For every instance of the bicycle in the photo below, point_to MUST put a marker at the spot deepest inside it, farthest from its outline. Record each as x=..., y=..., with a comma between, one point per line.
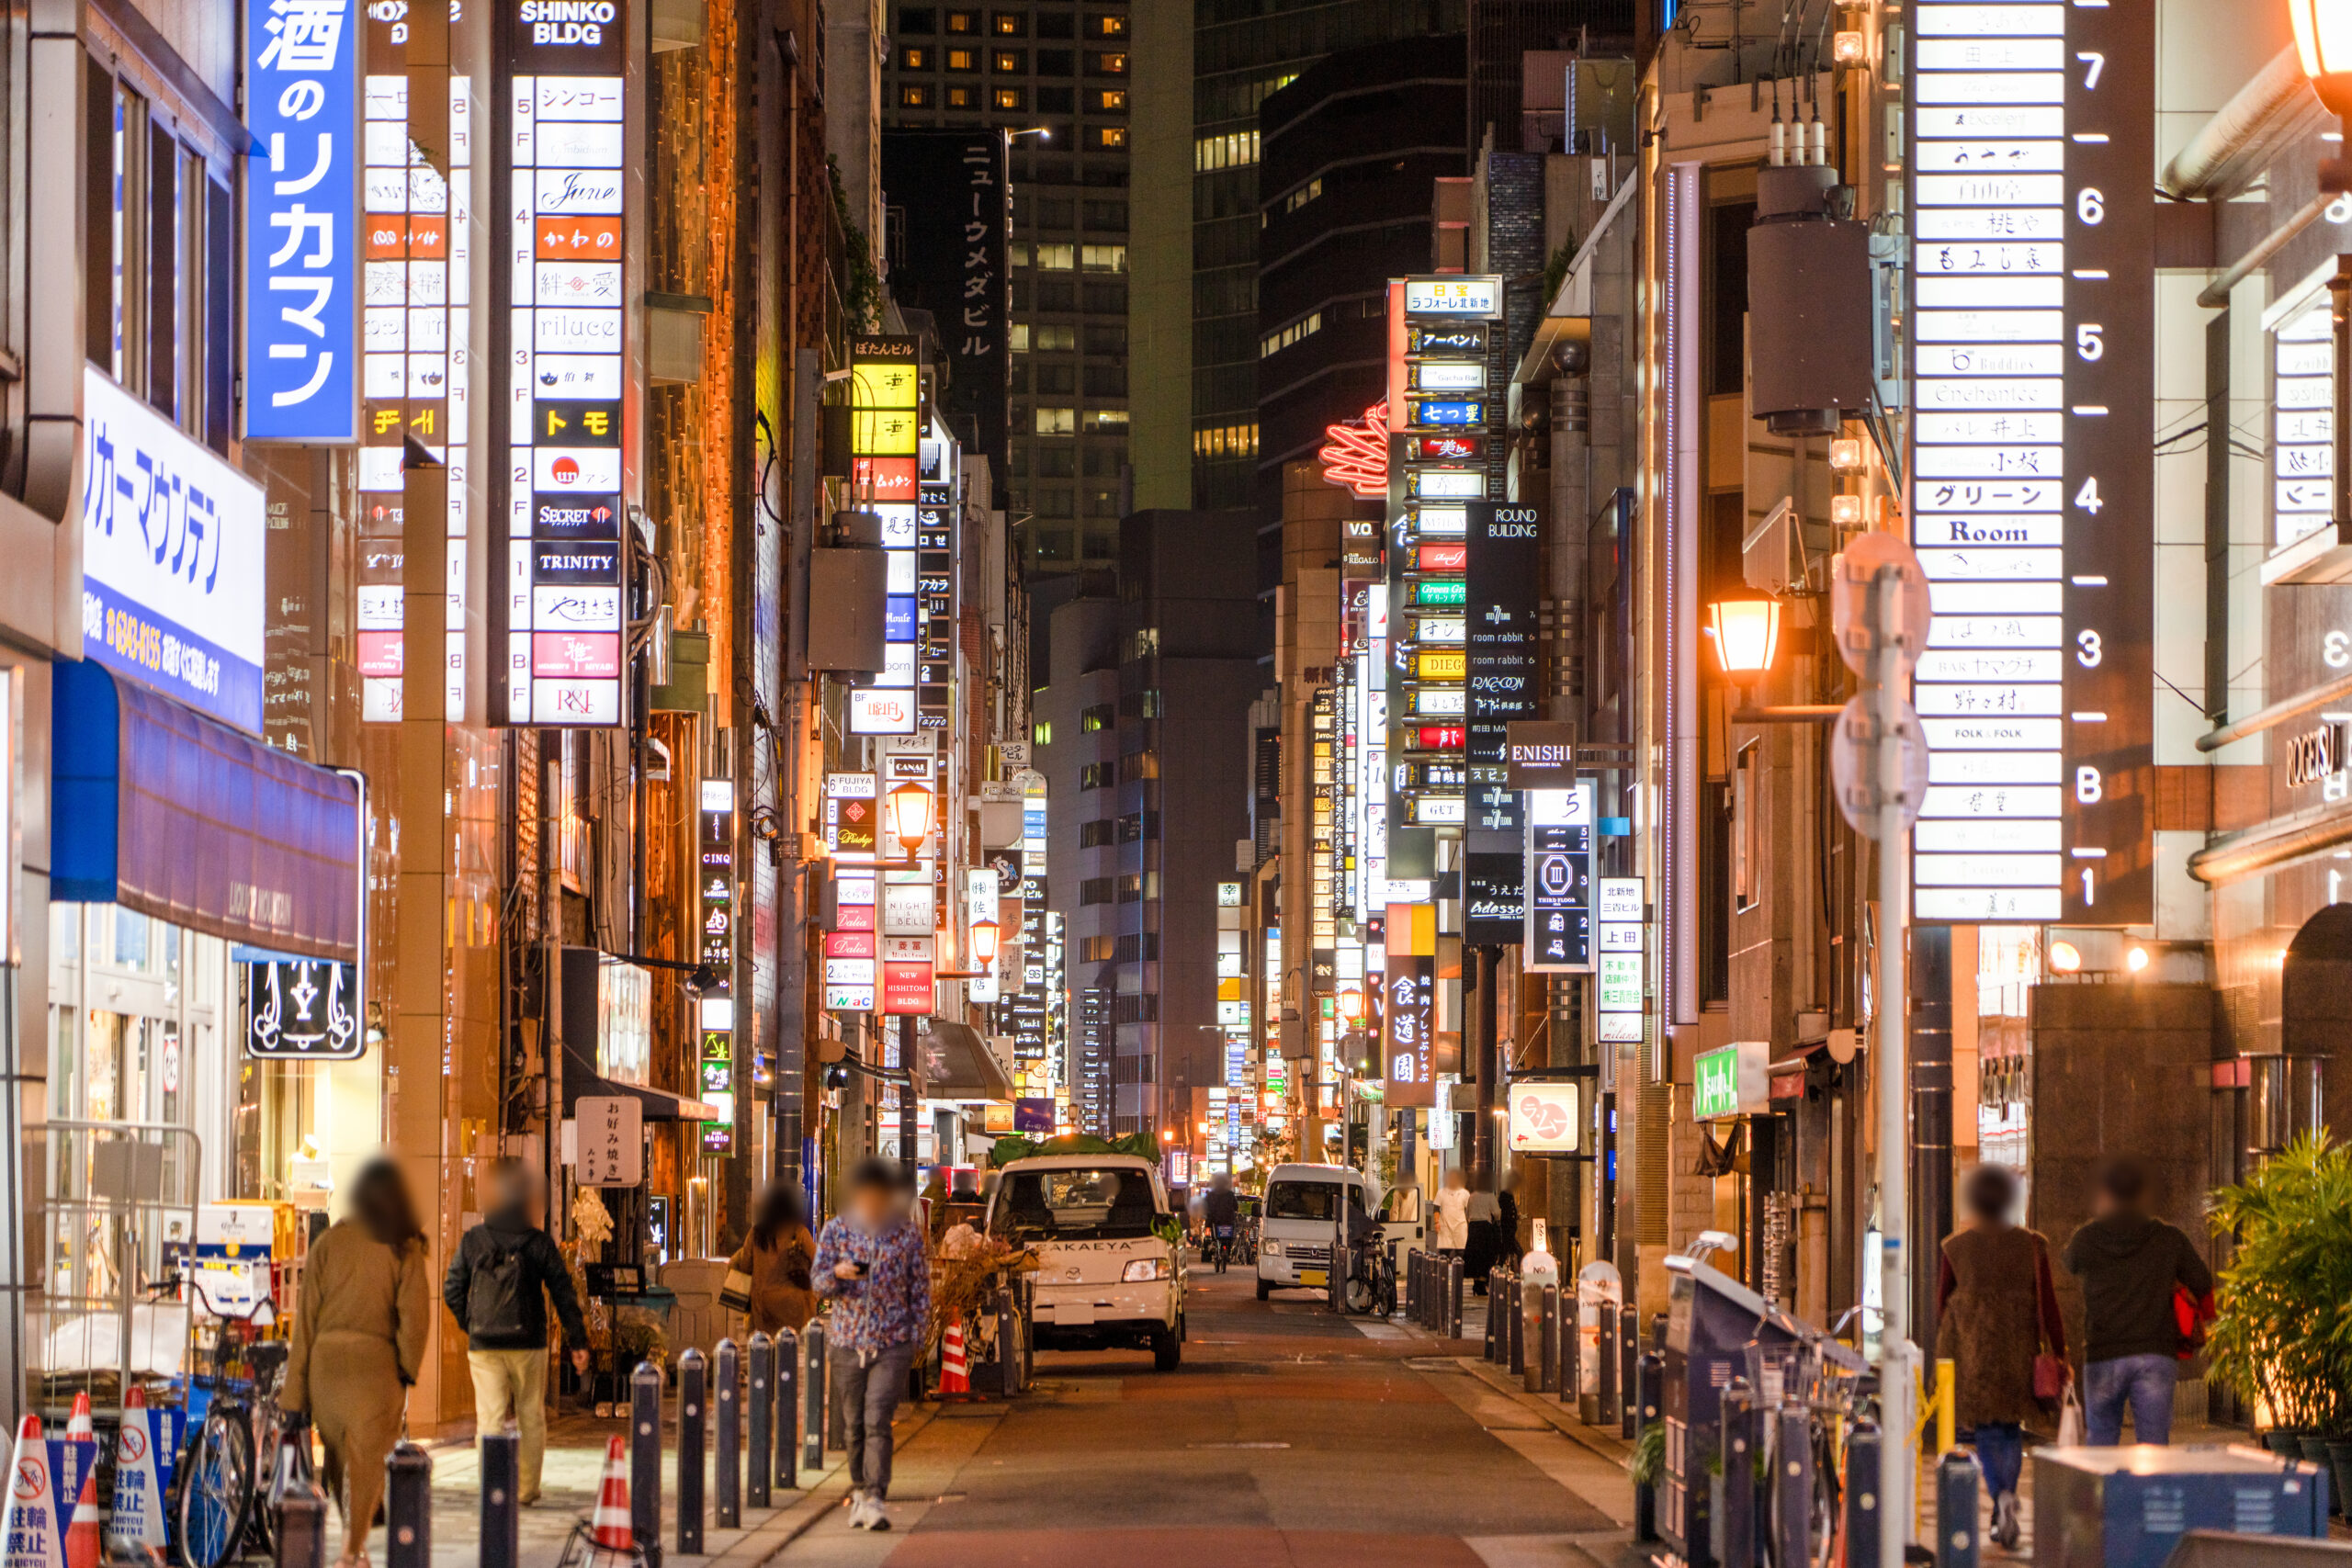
x=219, y=1499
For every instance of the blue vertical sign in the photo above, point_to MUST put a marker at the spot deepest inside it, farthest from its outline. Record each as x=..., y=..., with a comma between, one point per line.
x=303, y=222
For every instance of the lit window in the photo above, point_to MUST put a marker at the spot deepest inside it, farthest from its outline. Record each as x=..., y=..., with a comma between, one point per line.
x=1110, y=27
x=1110, y=64
x=1011, y=24
x=1054, y=338
x=963, y=98
x=1274, y=343
x=1011, y=61
x=1113, y=99
x=1043, y=734
x=1106, y=422
x=963, y=60
x=1303, y=194
x=913, y=97
x=1020, y=339
x=963, y=21
x=1016, y=254
x=1105, y=258
x=914, y=59
x=1058, y=259
x=1008, y=97
x=1057, y=422
x=1109, y=136
x=1234, y=150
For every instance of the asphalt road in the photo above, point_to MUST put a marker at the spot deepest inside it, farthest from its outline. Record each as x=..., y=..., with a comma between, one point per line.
x=1287, y=1439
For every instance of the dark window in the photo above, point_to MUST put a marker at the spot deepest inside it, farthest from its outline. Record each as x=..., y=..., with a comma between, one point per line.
x=1055, y=543
x=219, y=280
x=1144, y=949
x=914, y=19
x=1057, y=100
x=1056, y=378
x=1110, y=215
x=1106, y=381
x=1055, y=462
x=1055, y=502
x=1060, y=294
x=1104, y=460
x=1056, y=62
x=1094, y=775
x=1095, y=835
x=1056, y=24
x=1096, y=890
x=1727, y=296
x=1111, y=299
x=1054, y=212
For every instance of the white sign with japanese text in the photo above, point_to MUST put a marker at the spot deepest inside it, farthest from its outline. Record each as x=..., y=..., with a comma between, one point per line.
x=608, y=1141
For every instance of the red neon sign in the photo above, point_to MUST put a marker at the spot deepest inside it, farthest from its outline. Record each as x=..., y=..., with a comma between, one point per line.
x=1356, y=456
x=1447, y=449
x=1441, y=557
x=1442, y=737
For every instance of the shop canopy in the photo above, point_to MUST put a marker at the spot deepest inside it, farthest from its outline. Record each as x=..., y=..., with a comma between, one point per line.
x=958, y=1066
x=162, y=810
x=606, y=1005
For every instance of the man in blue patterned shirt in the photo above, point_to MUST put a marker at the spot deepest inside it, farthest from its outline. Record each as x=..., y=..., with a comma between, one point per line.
x=870, y=1260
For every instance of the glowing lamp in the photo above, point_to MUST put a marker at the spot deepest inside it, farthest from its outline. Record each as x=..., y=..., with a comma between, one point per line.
x=1746, y=629
x=2136, y=959
x=984, y=934
x=1850, y=48
x=2064, y=957
x=1846, y=452
x=2324, y=38
x=910, y=815
x=1845, y=510
x=1352, y=1005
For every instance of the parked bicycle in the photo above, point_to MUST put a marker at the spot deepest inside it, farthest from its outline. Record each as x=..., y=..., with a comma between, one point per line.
x=219, y=1497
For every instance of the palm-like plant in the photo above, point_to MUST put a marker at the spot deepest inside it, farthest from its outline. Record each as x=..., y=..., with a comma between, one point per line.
x=2283, y=1337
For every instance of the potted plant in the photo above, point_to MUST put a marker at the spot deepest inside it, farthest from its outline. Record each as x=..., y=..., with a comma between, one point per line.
x=2283, y=1339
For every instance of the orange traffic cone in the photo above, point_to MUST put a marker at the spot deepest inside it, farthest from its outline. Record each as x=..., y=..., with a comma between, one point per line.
x=954, y=1376
x=78, y=1429
x=611, y=1525
x=82, y=1535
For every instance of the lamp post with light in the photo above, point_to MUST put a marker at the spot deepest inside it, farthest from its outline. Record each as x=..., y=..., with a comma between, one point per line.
x=907, y=815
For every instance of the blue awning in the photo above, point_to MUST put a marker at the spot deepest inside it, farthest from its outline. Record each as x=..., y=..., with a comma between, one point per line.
x=164, y=811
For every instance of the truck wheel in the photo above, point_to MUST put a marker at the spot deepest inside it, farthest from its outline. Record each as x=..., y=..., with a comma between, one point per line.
x=1167, y=1350
x=1265, y=1288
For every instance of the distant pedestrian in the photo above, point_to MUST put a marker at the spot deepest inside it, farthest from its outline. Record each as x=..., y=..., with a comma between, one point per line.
x=775, y=1262
x=870, y=1260
x=1507, y=1228
x=2130, y=1263
x=1450, y=1232
x=359, y=1337
x=1486, y=1246
x=506, y=1270
x=1997, y=1313
x=1221, y=1218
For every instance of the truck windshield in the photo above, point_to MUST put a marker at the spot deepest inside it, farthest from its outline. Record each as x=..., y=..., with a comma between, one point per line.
x=1308, y=1199
x=1074, y=1205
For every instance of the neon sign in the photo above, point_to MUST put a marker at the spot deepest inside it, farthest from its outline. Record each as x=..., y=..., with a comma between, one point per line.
x=1356, y=456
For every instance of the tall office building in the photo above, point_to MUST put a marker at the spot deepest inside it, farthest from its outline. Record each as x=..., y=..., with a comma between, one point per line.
x=1053, y=76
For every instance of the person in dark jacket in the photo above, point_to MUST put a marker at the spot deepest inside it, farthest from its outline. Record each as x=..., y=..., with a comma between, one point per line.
x=493, y=1287
x=2130, y=1263
x=1996, y=1307
x=1221, y=1218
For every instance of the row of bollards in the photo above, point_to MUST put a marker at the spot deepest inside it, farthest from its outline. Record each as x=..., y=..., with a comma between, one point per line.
x=1433, y=1292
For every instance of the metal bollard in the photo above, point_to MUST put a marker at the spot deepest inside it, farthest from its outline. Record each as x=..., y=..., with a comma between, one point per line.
x=1958, y=1482
x=502, y=1513
x=1793, y=1485
x=1607, y=1351
x=645, y=1461
x=727, y=1409
x=1008, y=1353
x=1648, y=1398
x=788, y=1410
x=1453, y=1297
x=813, y=1397
x=408, y=1507
x=301, y=1535
x=762, y=1465
x=692, y=1411
x=1734, y=1514
x=1547, y=1364
x=1862, y=1497
x=1515, y=1325
x=1412, y=1287
x=1629, y=1358
x=1486, y=1341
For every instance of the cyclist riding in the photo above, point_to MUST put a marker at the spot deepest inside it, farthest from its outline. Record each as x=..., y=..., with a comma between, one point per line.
x=1221, y=1213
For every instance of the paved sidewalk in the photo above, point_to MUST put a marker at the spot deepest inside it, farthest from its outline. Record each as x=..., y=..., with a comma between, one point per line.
x=574, y=1470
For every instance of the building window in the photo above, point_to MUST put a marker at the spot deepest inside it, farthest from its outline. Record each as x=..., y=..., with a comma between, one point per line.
x=1053, y=503
x=1106, y=26
x=1101, y=504
x=1101, y=544
x=1225, y=441
x=1057, y=258
x=1054, y=212
x=1052, y=377
x=1056, y=100
x=1106, y=214
x=1006, y=98
x=1274, y=343
x=915, y=59
x=1111, y=100
x=1096, y=835
x=1096, y=890
x=963, y=98
x=1141, y=765
x=963, y=60
x=1107, y=62
x=963, y=21
x=1106, y=381
x=1053, y=544
x=1234, y=150
x=1103, y=258
x=1303, y=194
x=1131, y=888
x=1103, y=460
x=1056, y=294
x=1107, y=421
x=915, y=97
x=1042, y=732
x=918, y=19
x=1055, y=61
x=1010, y=61
x=1096, y=949
x=1109, y=137
x=1011, y=24
x=1056, y=462
x=1094, y=775
x=1019, y=340
x=1056, y=336
x=1101, y=715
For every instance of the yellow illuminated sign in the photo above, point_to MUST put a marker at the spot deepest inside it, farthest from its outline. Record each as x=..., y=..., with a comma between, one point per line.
x=1442, y=666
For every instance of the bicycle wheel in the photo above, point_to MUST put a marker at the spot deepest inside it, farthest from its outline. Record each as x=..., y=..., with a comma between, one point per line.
x=216, y=1488
x=269, y=1432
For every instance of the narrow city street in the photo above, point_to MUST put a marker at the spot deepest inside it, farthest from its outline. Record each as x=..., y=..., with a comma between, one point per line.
x=1288, y=1439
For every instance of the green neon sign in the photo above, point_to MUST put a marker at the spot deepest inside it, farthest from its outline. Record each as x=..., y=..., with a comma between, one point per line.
x=1715, y=1090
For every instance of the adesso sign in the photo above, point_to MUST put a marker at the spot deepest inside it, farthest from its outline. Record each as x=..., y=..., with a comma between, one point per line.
x=171, y=541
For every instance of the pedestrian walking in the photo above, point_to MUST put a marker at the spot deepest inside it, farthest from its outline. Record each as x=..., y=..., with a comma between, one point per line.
x=1507, y=1228
x=1221, y=1214
x=495, y=1287
x=870, y=1261
x=1485, y=1248
x=1997, y=1318
x=770, y=1276
x=2130, y=1263
x=1449, y=1232
x=359, y=1337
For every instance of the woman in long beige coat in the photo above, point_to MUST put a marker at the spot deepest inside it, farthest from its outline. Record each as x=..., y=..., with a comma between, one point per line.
x=358, y=1342
x=776, y=1255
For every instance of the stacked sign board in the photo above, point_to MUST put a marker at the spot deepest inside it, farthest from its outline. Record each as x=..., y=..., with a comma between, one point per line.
x=885, y=459
x=2031, y=484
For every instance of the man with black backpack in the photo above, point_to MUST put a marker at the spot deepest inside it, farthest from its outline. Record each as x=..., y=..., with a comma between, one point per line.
x=494, y=1288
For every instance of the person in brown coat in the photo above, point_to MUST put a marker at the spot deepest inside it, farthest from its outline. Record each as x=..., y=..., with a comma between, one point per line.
x=1997, y=1309
x=776, y=1255
x=358, y=1342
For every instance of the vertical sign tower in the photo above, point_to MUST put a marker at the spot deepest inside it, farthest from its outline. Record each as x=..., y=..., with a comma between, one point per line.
x=2031, y=482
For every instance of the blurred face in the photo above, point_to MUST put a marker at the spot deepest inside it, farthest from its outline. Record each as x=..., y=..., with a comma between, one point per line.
x=1455, y=1181
x=512, y=1188
x=875, y=1206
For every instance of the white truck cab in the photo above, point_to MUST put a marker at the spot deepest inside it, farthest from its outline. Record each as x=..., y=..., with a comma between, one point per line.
x=1295, y=1230
x=1106, y=1276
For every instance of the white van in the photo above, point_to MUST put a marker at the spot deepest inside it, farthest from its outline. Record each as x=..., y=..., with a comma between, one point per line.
x=1294, y=1233
x=1106, y=1276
